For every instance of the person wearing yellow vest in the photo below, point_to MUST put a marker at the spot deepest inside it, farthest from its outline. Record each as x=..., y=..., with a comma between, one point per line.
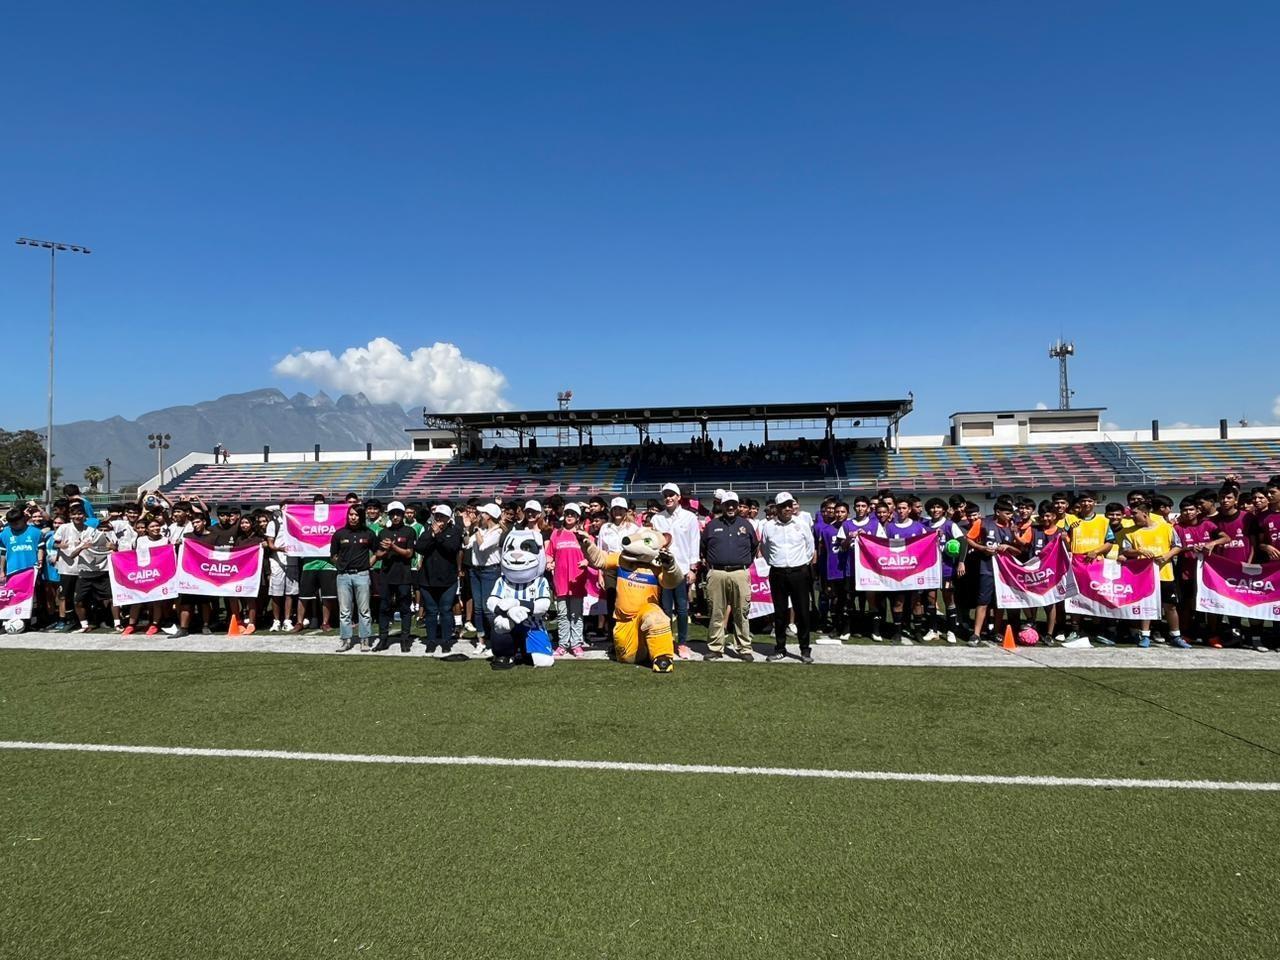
x=1089, y=535
x=1150, y=537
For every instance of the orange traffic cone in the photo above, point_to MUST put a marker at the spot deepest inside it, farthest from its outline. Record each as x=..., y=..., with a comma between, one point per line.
x=1008, y=638
x=233, y=628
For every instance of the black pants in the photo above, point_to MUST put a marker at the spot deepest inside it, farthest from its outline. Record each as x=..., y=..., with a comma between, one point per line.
x=841, y=605
x=791, y=586
x=395, y=596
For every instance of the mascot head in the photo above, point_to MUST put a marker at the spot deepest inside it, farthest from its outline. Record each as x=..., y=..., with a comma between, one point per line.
x=643, y=546
x=522, y=558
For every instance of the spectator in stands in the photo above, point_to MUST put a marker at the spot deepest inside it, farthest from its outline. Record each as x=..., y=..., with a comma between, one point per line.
x=351, y=553
x=439, y=546
x=685, y=532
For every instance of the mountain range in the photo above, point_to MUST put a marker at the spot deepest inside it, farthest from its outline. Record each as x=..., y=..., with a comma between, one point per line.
x=241, y=422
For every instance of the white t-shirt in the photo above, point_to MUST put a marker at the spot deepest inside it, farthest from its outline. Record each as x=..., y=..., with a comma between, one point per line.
x=176, y=531
x=66, y=537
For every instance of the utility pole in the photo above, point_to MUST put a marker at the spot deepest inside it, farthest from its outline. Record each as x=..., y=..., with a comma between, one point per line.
x=1060, y=350
x=54, y=247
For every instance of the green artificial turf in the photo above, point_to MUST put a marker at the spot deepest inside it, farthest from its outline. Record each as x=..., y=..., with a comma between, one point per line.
x=139, y=856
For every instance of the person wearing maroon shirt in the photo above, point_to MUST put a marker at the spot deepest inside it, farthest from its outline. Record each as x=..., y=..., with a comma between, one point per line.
x=1241, y=532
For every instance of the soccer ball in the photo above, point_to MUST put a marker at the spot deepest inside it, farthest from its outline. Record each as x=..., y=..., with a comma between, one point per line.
x=14, y=626
x=1028, y=637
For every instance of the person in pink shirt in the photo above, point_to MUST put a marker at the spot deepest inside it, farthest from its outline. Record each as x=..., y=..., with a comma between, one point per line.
x=569, y=572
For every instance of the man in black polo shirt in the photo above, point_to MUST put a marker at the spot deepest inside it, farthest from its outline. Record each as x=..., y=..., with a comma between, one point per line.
x=395, y=550
x=729, y=545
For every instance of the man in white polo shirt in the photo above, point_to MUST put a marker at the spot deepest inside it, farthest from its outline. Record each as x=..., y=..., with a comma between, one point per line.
x=788, y=546
x=686, y=542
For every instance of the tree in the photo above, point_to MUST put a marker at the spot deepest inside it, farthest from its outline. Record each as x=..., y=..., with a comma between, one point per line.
x=93, y=476
x=22, y=461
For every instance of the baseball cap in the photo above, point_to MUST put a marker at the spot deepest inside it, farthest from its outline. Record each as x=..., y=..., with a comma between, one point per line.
x=784, y=497
x=671, y=488
x=572, y=508
x=619, y=502
x=728, y=496
x=533, y=505
x=443, y=510
x=395, y=505
x=492, y=509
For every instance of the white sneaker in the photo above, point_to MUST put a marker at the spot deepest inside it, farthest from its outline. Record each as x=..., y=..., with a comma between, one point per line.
x=844, y=637
x=1059, y=638
x=931, y=636
x=952, y=638
x=207, y=631
x=171, y=629
x=791, y=630
x=1079, y=643
x=287, y=626
x=275, y=627
x=825, y=640
x=906, y=641
x=875, y=635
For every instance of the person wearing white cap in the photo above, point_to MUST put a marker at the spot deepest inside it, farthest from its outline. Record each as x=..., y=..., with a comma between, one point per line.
x=532, y=515
x=682, y=525
x=484, y=542
x=395, y=551
x=729, y=549
x=789, y=549
x=621, y=523
x=439, y=546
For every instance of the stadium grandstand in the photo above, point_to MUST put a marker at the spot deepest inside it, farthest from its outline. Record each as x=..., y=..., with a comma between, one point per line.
x=810, y=449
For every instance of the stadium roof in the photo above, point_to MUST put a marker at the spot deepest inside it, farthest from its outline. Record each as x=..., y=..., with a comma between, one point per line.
x=839, y=412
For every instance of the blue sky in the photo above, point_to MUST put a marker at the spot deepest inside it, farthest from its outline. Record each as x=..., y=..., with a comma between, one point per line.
x=685, y=202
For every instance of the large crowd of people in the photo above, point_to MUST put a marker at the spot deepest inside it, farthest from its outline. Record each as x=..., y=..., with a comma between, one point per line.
x=394, y=568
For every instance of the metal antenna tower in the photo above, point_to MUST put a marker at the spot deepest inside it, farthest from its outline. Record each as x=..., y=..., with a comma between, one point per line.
x=1060, y=350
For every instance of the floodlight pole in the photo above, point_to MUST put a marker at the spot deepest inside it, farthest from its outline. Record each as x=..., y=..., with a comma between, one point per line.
x=53, y=247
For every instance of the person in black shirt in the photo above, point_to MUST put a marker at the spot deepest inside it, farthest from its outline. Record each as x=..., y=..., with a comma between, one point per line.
x=351, y=553
x=395, y=550
x=729, y=545
x=439, y=546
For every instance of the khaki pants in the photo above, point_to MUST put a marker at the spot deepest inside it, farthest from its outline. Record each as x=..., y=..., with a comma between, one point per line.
x=730, y=591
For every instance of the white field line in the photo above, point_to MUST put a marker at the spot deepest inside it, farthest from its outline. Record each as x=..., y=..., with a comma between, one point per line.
x=631, y=767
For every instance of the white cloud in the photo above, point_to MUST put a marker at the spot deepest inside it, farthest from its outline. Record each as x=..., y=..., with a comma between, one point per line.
x=1109, y=425
x=438, y=377
x=1041, y=405
x=1275, y=408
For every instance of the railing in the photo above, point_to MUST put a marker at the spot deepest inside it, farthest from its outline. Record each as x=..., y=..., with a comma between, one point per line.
x=1127, y=458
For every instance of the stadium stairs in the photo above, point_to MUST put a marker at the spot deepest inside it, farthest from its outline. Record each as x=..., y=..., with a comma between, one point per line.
x=256, y=483
x=989, y=469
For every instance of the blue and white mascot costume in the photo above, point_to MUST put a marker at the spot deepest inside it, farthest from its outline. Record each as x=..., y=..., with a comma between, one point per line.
x=519, y=600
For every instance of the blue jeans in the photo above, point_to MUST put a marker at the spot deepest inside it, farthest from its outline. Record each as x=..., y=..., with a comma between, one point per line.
x=677, y=599
x=353, y=591
x=483, y=580
x=437, y=610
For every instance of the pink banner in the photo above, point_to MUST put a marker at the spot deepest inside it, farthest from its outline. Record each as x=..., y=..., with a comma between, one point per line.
x=761, y=592
x=1041, y=582
x=16, y=595
x=309, y=527
x=881, y=564
x=1238, y=589
x=144, y=575
x=1119, y=591
x=207, y=572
